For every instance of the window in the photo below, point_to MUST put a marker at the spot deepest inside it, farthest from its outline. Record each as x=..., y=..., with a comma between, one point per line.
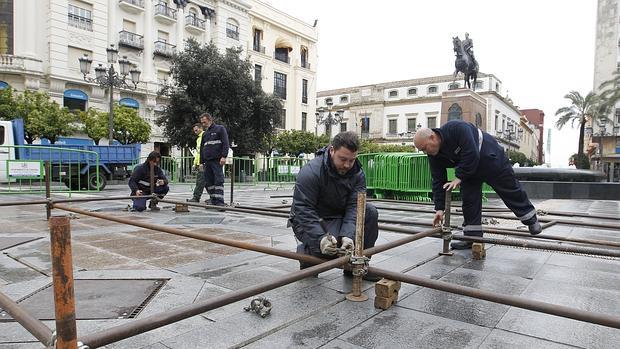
x=393, y=93
x=618, y=115
x=453, y=86
x=162, y=77
x=162, y=36
x=344, y=99
x=304, y=57
x=1, y=135
x=258, y=73
x=412, y=92
x=281, y=54
x=365, y=121
x=432, y=121
x=6, y=27
x=411, y=125
x=329, y=101
x=497, y=87
x=304, y=91
x=343, y=127
x=280, y=121
x=432, y=89
x=279, y=85
x=80, y=18
x=503, y=124
x=232, y=29
x=304, y=121
x=392, y=126
x=258, y=36
x=478, y=120
x=129, y=26
x=455, y=112
x=497, y=120
x=478, y=85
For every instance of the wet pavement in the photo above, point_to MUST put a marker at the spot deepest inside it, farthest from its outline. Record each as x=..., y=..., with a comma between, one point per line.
x=119, y=269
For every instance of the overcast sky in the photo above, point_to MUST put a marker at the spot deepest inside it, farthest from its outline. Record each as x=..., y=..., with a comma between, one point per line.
x=539, y=49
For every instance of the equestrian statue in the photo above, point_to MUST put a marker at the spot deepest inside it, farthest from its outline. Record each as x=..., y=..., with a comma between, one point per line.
x=465, y=61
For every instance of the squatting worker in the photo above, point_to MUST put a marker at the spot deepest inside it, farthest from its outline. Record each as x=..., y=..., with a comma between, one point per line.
x=477, y=158
x=140, y=183
x=326, y=189
x=213, y=152
x=198, y=166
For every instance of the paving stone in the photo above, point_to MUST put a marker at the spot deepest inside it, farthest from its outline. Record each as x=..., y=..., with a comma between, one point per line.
x=10, y=241
x=463, y=308
x=580, y=277
x=504, y=339
x=564, y=330
x=12, y=271
x=498, y=265
x=584, y=262
x=398, y=327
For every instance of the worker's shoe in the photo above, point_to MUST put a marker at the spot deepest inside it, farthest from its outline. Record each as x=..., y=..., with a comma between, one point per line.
x=153, y=207
x=461, y=245
x=535, y=228
x=193, y=200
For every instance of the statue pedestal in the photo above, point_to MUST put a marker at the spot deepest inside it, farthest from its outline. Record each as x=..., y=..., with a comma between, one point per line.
x=464, y=104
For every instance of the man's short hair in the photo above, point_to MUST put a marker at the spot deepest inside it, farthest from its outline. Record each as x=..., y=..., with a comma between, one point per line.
x=196, y=125
x=206, y=115
x=153, y=155
x=348, y=140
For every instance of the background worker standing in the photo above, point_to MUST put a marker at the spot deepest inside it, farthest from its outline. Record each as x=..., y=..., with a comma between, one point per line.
x=198, y=166
x=477, y=158
x=213, y=152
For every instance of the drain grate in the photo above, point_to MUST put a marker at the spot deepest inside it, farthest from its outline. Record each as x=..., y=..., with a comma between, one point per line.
x=95, y=299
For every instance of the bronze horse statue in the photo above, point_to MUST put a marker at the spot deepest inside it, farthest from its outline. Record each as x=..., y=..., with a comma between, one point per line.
x=465, y=64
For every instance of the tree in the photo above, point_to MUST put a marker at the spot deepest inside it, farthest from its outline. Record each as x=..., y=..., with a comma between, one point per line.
x=295, y=142
x=581, y=110
x=206, y=80
x=95, y=124
x=7, y=104
x=580, y=161
x=129, y=127
x=370, y=146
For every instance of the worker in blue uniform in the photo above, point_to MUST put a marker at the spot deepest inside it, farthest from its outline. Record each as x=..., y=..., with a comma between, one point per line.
x=140, y=183
x=477, y=158
x=213, y=152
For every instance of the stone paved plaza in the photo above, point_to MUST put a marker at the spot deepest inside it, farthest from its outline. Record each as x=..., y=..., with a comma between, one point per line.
x=311, y=313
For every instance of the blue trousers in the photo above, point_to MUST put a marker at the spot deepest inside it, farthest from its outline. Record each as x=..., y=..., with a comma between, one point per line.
x=371, y=232
x=214, y=181
x=140, y=203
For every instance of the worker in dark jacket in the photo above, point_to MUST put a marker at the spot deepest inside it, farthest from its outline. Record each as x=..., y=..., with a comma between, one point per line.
x=477, y=158
x=326, y=188
x=140, y=183
x=213, y=152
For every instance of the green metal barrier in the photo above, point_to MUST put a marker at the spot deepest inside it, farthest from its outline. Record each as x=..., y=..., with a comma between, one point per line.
x=72, y=170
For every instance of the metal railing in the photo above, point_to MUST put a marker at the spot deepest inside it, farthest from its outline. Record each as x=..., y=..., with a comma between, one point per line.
x=258, y=48
x=139, y=3
x=165, y=10
x=163, y=48
x=233, y=34
x=80, y=22
x=191, y=20
x=281, y=57
x=130, y=39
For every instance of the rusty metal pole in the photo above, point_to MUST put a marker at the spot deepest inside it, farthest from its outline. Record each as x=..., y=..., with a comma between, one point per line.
x=446, y=229
x=64, y=297
x=152, y=180
x=357, y=259
x=33, y=325
x=48, y=190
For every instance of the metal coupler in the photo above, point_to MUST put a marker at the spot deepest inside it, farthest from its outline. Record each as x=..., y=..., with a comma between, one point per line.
x=260, y=305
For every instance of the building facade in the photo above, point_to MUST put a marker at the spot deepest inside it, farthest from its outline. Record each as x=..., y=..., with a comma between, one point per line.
x=391, y=112
x=43, y=39
x=536, y=117
x=603, y=139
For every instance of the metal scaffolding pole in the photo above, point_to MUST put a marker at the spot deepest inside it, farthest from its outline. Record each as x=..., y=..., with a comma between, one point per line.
x=30, y=323
x=515, y=301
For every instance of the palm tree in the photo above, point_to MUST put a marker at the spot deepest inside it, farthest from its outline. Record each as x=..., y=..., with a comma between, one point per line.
x=581, y=110
x=610, y=91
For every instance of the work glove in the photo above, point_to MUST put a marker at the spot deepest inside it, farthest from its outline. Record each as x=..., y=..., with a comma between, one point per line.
x=328, y=245
x=347, y=244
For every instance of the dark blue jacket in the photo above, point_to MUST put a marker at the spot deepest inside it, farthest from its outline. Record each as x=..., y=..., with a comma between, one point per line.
x=141, y=177
x=214, y=145
x=459, y=149
x=320, y=192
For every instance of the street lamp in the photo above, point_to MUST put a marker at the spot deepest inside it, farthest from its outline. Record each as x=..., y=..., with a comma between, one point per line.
x=109, y=78
x=328, y=120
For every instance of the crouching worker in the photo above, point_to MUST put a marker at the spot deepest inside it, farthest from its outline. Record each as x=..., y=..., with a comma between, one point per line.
x=326, y=189
x=140, y=183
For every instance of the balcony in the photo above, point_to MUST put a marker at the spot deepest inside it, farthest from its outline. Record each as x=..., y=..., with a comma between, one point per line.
x=165, y=14
x=233, y=34
x=133, y=6
x=258, y=48
x=305, y=65
x=281, y=57
x=10, y=63
x=164, y=49
x=129, y=39
x=194, y=24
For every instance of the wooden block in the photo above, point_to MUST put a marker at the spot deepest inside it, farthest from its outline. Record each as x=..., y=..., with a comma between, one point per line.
x=386, y=302
x=478, y=251
x=386, y=288
x=181, y=208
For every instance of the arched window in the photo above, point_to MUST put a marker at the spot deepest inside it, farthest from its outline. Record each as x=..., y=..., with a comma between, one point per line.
x=412, y=91
x=232, y=29
x=344, y=99
x=282, y=48
x=478, y=85
x=304, y=57
x=329, y=101
x=432, y=89
x=453, y=86
x=478, y=120
x=393, y=93
x=455, y=112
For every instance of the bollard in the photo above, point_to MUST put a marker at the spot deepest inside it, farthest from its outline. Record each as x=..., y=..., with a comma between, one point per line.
x=357, y=259
x=64, y=297
x=446, y=231
x=48, y=190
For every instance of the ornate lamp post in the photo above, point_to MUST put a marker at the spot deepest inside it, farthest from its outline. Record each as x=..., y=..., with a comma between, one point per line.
x=109, y=78
x=328, y=120
x=511, y=135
